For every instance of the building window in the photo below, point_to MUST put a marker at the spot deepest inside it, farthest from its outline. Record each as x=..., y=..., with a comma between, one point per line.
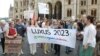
x=16, y=10
x=16, y=16
x=83, y=12
x=69, y=2
x=69, y=13
x=83, y=2
x=94, y=12
x=94, y=2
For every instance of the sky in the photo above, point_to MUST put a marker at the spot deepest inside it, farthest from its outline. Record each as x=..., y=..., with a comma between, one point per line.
x=4, y=7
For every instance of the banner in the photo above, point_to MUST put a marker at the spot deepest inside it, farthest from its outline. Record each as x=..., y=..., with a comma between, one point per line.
x=65, y=37
x=43, y=8
x=28, y=14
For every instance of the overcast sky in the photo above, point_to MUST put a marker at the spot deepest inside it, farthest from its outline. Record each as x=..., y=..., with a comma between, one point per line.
x=4, y=7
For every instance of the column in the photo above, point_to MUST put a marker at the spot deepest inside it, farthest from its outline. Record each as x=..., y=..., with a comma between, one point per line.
x=75, y=9
x=63, y=9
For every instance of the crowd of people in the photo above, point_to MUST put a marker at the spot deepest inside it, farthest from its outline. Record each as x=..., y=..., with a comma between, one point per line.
x=87, y=36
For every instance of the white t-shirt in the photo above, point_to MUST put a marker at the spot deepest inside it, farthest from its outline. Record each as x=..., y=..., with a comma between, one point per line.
x=90, y=35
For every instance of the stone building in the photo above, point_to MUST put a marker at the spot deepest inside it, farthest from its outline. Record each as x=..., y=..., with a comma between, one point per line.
x=19, y=7
x=11, y=12
x=60, y=9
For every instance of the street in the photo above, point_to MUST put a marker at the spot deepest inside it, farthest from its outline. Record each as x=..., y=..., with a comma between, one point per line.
x=40, y=52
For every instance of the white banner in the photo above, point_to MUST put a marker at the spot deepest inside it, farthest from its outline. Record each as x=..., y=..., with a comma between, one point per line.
x=28, y=14
x=65, y=37
x=43, y=8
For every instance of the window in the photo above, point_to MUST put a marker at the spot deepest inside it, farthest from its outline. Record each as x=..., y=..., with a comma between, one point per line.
x=93, y=2
x=93, y=12
x=83, y=2
x=16, y=10
x=69, y=2
x=69, y=13
x=83, y=12
x=16, y=16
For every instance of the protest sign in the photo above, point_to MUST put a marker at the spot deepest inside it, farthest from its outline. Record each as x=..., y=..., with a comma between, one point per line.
x=13, y=45
x=65, y=37
x=43, y=8
x=28, y=14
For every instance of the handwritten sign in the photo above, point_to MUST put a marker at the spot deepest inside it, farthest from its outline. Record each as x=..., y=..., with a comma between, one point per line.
x=65, y=37
x=13, y=45
x=28, y=14
x=43, y=8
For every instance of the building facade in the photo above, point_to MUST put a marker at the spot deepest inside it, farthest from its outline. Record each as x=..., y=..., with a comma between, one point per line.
x=60, y=9
x=19, y=7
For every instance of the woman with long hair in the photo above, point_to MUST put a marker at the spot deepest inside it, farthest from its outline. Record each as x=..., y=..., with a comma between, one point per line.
x=47, y=25
x=33, y=23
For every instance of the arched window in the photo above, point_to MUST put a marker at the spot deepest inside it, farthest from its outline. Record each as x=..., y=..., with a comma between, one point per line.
x=49, y=16
x=83, y=11
x=69, y=2
x=58, y=10
x=69, y=13
x=94, y=12
x=93, y=2
x=16, y=16
x=83, y=2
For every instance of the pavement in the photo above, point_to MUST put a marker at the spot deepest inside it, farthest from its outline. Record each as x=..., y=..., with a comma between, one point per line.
x=39, y=52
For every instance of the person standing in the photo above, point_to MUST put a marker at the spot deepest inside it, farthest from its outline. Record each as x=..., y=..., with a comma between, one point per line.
x=20, y=29
x=56, y=46
x=97, y=48
x=89, y=39
x=79, y=38
x=32, y=24
x=46, y=45
x=3, y=28
x=53, y=26
x=69, y=25
x=10, y=35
